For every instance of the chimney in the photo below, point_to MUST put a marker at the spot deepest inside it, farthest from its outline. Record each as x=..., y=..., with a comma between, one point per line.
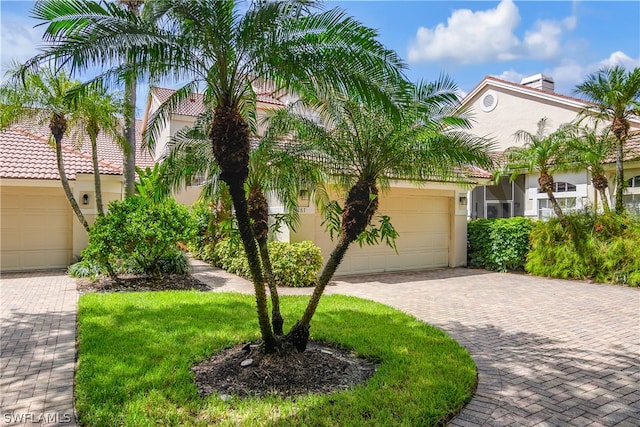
x=539, y=81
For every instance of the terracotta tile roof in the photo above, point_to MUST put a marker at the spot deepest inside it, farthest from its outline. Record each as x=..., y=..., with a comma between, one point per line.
x=632, y=149
x=25, y=152
x=536, y=90
x=194, y=106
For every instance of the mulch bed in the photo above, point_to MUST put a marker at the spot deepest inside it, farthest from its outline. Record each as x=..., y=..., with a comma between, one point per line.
x=132, y=283
x=320, y=369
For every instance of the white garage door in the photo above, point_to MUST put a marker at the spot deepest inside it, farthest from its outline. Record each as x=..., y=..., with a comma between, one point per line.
x=36, y=228
x=423, y=223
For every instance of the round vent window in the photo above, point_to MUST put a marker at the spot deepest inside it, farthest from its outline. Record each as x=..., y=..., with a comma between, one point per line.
x=489, y=101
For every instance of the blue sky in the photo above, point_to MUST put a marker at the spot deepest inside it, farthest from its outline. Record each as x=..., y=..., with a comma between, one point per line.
x=468, y=40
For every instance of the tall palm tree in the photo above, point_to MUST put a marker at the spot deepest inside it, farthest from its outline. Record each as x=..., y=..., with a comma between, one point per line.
x=274, y=168
x=42, y=96
x=225, y=50
x=588, y=147
x=542, y=153
x=131, y=85
x=95, y=110
x=616, y=95
x=370, y=147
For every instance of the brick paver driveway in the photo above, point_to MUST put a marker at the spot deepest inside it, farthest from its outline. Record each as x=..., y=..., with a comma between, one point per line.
x=549, y=352
x=37, y=356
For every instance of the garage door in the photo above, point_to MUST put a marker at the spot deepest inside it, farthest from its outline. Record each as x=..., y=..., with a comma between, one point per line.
x=423, y=223
x=35, y=228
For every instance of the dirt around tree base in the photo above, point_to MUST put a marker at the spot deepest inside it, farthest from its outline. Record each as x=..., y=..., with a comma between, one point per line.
x=320, y=369
x=135, y=283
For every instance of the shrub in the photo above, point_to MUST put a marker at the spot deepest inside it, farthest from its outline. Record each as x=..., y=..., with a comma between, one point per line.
x=499, y=244
x=293, y=264
x=211, y=226
x=141, y=232
x=603, y=248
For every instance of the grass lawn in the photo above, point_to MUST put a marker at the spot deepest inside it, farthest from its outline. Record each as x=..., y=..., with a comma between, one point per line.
x=136, y=351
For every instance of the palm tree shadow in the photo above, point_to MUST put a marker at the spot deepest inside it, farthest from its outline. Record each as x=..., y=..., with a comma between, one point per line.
x=412, y=276
x=525, y=377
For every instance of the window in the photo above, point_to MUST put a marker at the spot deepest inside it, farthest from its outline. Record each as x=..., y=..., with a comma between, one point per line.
x=196, y=180
x=545, y=209
x=632, y=203
x=634, y=182
x=561, y=187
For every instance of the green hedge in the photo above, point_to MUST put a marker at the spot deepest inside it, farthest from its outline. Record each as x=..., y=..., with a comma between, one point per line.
x=499, y=244
x=604, y=248
x=293, y=264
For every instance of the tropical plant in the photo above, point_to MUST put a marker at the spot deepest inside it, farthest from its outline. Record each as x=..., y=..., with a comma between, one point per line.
x=151, y=184
x=96, y=110
x=225, y=49
x=542, y=153
x=42, y=96
x=587, y=147
x=615, y=93
x=369, y=147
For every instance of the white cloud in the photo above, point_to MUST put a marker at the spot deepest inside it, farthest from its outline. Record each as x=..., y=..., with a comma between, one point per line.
x=571, y=73
x=19, y=40
x=469, y=37
x=544, y=41
x=510, y=76
x=485, y=36
x=620, y=58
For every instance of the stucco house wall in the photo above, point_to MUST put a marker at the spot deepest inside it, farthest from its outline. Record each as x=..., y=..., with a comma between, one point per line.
x=500, y=109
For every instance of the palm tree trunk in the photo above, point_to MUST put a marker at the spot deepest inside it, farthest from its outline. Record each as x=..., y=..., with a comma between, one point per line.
x=58, y=126
x=605, y=201
x=356, y=216
x=131, y=84
x=130, y=134
x=555, y=205
x=229, y=136
x=249, y=242
x=258, y=210
x=276, y=317
x=619, y=176
x=96, y=174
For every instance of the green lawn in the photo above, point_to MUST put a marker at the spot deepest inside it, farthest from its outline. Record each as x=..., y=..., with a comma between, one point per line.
x=136, y=350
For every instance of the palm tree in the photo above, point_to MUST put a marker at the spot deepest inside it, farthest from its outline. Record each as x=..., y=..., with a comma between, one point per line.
x=369, y=148
x=94, y=111
x=587, y=147
x=616, y=95
x=42, y=96
x=226, y=50
x=274, y=168
x=541, y=152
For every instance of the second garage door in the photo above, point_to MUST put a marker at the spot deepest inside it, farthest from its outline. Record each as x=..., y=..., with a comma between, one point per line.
x=422, y=221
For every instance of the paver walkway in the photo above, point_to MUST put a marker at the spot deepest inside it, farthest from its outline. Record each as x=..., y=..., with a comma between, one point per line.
x=549, y=352
x=37, y=353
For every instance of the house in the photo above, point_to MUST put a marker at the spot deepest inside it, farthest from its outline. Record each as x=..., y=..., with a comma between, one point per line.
x=500, y=109
x=38, y=229
x=431, y=219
